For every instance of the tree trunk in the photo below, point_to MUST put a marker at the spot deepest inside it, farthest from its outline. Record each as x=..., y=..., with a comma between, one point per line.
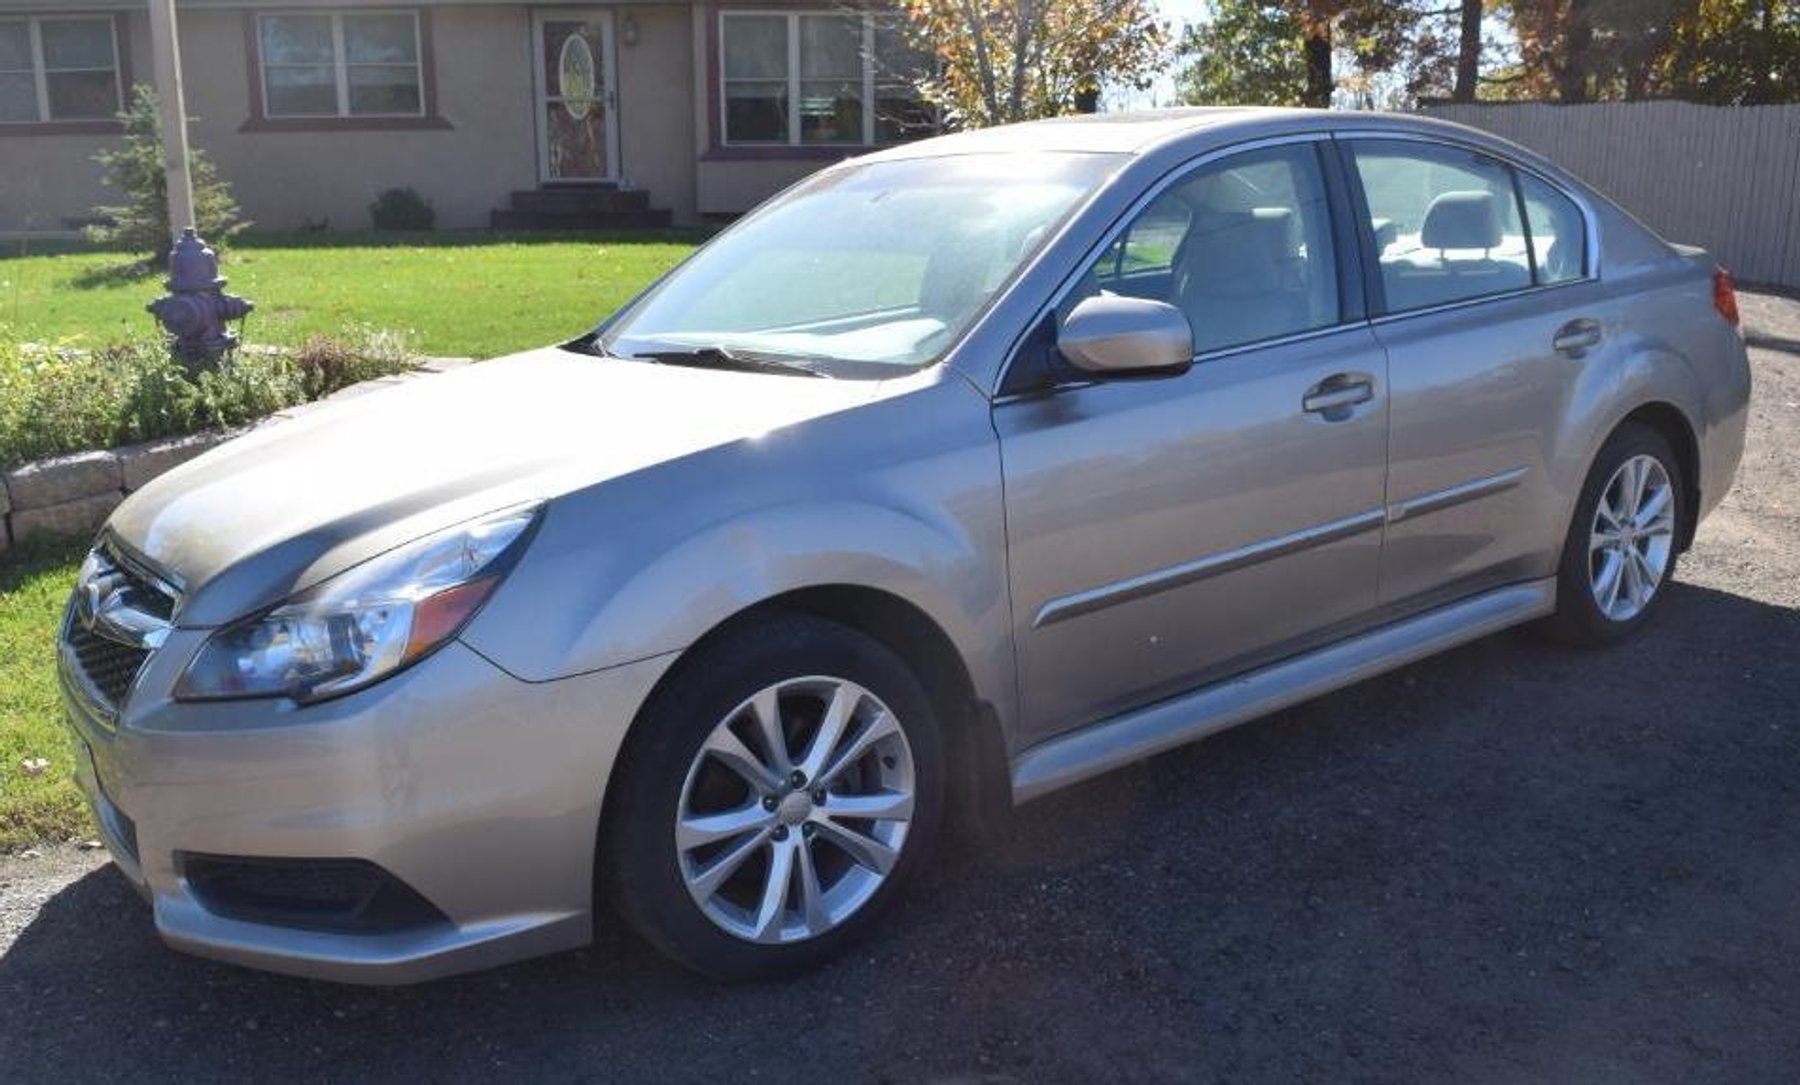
x=1578, y=47
x=1468, y=53
x=1318, y=65
x=1762, y=89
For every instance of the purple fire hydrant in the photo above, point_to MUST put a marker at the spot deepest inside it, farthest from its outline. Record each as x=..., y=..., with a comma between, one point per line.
x=196, y=308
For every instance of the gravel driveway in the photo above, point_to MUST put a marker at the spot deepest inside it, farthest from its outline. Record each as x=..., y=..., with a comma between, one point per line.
x=1509, y=863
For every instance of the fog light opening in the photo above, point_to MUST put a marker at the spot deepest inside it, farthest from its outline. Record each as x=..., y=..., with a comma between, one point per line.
x=352, y=896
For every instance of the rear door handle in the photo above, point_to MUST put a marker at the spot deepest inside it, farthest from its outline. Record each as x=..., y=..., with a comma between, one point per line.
x=1336, y=394
x=1577, y=337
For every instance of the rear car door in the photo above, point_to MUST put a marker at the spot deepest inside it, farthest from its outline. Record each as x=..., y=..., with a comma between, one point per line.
x=1480, y=278
x=1165, y=530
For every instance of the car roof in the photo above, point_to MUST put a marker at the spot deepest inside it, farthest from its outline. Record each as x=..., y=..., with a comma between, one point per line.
x=1141, y=132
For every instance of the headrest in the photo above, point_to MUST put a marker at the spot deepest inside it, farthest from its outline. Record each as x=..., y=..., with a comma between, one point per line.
x=1235, y=254
x=1461, y=220
x=1277, y=225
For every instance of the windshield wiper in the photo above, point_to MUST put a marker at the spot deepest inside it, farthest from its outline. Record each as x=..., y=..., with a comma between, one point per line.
x=727, y=358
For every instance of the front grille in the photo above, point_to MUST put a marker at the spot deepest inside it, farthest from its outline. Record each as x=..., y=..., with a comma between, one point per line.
x=119, y=615
x=148, y=593
x=110, y=667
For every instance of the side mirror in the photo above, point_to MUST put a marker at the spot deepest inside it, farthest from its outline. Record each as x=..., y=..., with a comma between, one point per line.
x=1110, y=335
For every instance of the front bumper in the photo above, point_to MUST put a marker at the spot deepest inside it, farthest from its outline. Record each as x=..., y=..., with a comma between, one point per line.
x=479, y=792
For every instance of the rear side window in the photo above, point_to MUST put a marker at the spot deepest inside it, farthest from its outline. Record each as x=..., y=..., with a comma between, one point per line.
x=1242, y=247
x=1558, y=232
x=1445, y=221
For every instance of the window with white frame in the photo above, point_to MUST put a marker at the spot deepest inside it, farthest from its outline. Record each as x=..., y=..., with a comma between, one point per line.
x=58, y=69
x=818, y=79
x=341, y=64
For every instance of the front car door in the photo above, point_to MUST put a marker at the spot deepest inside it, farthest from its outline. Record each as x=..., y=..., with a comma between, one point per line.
x=1488, y=314
x=1164, y=531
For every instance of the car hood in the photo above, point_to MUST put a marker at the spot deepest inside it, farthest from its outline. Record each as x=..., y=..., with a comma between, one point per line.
x=298, y=500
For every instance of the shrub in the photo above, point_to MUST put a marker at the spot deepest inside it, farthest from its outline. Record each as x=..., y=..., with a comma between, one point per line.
x=329, y=365
x=59, y=398
x=141, y=224
x=403, y=209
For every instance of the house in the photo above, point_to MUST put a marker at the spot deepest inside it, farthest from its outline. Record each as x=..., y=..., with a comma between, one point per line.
x=503, y=112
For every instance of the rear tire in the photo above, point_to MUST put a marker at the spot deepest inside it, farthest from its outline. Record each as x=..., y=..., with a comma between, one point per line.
x=1621, y=549
x=747, y=851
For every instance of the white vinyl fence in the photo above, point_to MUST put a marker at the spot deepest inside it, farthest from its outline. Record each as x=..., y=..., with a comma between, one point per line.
x=1722, y=177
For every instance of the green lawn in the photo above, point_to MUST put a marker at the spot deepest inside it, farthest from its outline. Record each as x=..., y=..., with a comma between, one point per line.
x=463, y=293
x=33, y=588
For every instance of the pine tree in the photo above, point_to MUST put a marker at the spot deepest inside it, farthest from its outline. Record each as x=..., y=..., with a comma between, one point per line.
x=141, y=224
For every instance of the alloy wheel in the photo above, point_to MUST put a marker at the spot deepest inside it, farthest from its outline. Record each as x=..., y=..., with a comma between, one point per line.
x=1632, y=538
x=795, y=810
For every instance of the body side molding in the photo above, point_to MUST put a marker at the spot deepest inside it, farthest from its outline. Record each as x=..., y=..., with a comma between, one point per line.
x=1450, y=496
x=1175, y=576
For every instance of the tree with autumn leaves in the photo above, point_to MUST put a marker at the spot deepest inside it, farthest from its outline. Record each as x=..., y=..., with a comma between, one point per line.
x=998, y=61
x=1302, y=52
x=1726, y=52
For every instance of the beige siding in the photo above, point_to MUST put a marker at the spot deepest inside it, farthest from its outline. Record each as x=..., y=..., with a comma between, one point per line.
x=656, y=89
x=1721, y=177
x=49, y=182
x=731, y=188
x=286, y=179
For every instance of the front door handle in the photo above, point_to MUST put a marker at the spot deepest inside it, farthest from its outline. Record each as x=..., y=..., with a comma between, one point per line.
x=1577, y=337
x=1335, y=395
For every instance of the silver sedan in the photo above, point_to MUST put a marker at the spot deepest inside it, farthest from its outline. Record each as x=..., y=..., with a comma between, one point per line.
x=954, y=475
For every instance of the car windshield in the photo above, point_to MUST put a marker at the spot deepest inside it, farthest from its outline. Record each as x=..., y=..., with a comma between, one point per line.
x=860, y=271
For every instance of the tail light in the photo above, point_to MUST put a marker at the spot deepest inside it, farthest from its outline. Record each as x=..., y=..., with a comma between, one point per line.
x=1725, y=296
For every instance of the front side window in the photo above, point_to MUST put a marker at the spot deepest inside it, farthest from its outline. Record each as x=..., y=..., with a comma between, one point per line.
x=866, y=268
x=58, y=70
x=818, y=79
x=1445, y=222
x=1242, y=247
x=341, y=65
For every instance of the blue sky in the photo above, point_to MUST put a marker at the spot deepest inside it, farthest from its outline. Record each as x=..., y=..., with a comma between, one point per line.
x=1182, y=11
x=1179, y=13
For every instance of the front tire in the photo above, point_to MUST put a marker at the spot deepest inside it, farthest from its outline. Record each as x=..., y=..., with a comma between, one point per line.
x=778, y=792
x=1621, y=550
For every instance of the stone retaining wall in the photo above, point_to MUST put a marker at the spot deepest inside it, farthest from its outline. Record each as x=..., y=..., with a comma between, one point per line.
x=72, y=495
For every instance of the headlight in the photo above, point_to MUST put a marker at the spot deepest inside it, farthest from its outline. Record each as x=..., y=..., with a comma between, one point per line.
x=365, y=623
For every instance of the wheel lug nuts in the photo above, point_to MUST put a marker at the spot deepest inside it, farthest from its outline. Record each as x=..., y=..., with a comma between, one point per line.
x=781, y=832
x=769, y=802
x=807, y=829
x=798, y=779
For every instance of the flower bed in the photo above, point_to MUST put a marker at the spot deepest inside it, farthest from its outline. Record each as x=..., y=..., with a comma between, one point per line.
x=80, y=429
x=56, y=400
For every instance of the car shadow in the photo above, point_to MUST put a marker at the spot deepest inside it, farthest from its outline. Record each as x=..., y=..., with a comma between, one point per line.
x=1764, y=341
x=1514, y=860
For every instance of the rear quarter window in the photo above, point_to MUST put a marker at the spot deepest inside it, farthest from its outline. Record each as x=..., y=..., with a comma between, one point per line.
x=1558, y=231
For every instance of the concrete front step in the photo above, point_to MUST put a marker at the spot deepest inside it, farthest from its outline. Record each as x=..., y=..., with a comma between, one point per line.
x=584, y=198
x=648, y=219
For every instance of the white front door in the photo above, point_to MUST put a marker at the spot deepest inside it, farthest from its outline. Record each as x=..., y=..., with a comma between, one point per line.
x=572, y=57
